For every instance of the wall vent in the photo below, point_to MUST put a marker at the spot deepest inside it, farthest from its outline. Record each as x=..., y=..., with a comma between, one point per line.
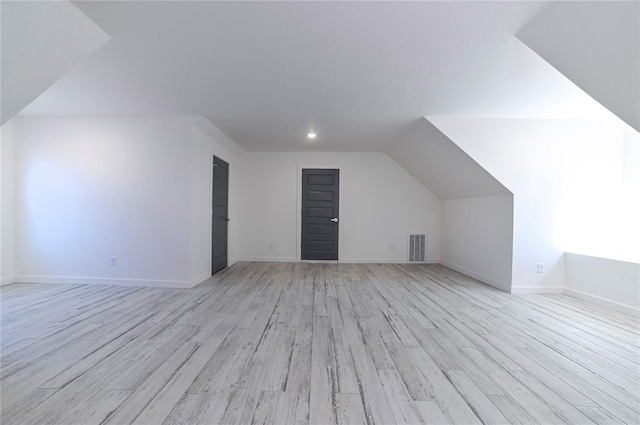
x=417, y=248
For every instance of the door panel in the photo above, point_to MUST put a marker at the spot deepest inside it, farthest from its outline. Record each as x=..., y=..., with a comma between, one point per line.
x=320, y=195
x=320, y=212
x=320, y=229
x=220, y=214
x=324, y=180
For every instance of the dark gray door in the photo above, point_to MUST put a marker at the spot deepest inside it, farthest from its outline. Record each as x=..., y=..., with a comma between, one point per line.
x=320, y=193
x=220, y=215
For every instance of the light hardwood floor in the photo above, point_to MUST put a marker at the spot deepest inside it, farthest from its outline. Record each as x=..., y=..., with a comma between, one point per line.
x=310, y=343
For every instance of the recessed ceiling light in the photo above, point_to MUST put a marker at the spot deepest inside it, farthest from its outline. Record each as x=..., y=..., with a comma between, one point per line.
x=311, y=135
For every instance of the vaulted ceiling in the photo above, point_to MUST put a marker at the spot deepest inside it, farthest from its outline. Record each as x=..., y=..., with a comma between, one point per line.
x=41, y=42
x=359, y=73
x=595, y=44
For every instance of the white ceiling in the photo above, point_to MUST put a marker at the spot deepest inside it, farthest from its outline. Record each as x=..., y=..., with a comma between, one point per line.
x=41, y=42
x=597, y=45
x=440, y=165
x=359, y=73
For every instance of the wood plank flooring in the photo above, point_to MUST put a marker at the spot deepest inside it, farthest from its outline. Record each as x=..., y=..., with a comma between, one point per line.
x=278, y=343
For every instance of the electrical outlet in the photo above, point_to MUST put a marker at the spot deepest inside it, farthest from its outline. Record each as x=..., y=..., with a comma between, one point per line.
x=392, y=248
x=271, y=246
x=540, y=267
x=112, y=261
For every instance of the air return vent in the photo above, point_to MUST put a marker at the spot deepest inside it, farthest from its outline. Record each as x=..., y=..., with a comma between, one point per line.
x=417, y=248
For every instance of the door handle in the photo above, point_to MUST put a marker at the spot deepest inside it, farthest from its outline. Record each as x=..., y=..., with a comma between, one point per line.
x=335, y=220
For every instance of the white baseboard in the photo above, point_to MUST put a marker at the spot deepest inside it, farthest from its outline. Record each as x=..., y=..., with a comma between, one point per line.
x=382, y=261
x=626, y=309
x=269, y=259
x=537, y=289
x=341, y=260
x=104, y=281
x=482, y=278
x=373, y=260
x=7, y=280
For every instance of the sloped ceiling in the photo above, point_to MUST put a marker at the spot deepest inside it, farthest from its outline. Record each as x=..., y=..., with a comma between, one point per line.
x=265, y=73
x=440, y=165
x=361, y=74
x=41, y=41
x=596, y=44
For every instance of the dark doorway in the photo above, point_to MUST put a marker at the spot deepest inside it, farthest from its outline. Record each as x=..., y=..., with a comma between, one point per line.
x=319, y=233
x=220, y=214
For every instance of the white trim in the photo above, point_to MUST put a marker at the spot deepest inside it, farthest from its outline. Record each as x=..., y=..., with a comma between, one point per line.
x=345, y=261
x=104, y=281
x=603, y=302
x=384, y=261
x=537, y=289
x=374, y=261
x=7, y=280
x=504, y=286
x=320, y=261
x=299, y=206
x=269, y=259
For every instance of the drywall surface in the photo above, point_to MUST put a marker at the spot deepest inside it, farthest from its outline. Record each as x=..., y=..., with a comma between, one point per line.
x=380, y=204
x=574, y=184
x=203, y=148
x=596, y=44
x=441, y=166
x=41, y=42
x=477, y=238
x=89, y=189
x=7, y=201
x=611, y=283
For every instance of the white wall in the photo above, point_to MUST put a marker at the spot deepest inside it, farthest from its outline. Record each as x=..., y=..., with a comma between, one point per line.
x=477, y=238
x=88, y=189
x=7, y=202
x=611, y=283
x=572, y=189
x=380, y=204
x=203, y=148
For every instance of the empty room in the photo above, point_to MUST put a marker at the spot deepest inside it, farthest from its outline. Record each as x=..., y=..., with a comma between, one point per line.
x=348, y=213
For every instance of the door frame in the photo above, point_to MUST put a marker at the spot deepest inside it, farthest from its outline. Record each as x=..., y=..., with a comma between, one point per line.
x=299, y=205
x=210, y=221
